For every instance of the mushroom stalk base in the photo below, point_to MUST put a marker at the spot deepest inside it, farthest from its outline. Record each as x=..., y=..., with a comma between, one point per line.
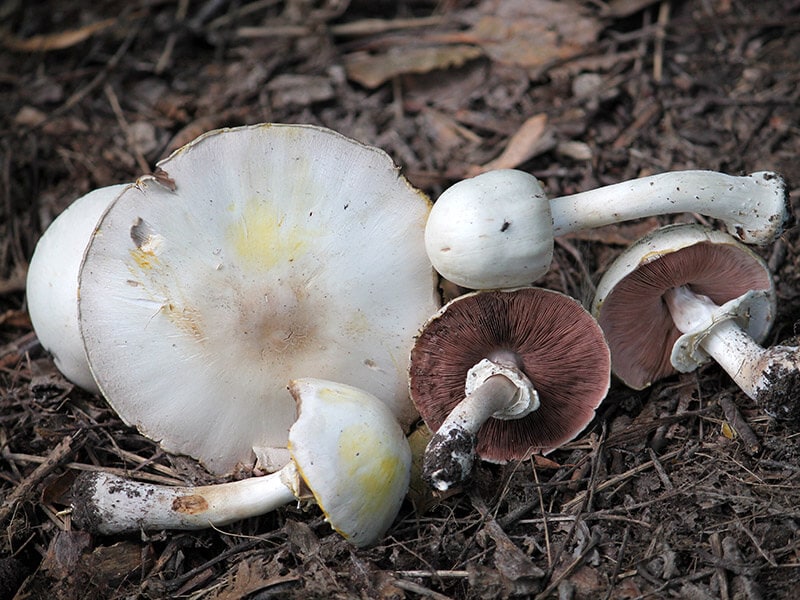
x=107, y=504
x=450, y=454
x=770, y=376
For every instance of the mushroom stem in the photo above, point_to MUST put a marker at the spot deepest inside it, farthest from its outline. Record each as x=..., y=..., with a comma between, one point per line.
x=753, y=207
x=108, y=504
x=494, y=389
x=767, y=375
x=349, y=454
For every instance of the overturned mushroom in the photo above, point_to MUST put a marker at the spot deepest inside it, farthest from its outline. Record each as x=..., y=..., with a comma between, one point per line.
x=261, y=253
x=496, y=230
x=52, y=283
x=685, y=294
x=503, y=375
x=347, y=449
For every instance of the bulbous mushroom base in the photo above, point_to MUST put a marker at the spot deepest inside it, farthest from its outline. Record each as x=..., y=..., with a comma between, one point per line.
x=449, y=458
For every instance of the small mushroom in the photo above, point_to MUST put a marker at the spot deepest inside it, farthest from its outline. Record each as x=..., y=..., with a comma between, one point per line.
x=505, y=374
x=347, y=449
x=496, y=230
x=52, y=283
x=685, y=294
x=259, y=254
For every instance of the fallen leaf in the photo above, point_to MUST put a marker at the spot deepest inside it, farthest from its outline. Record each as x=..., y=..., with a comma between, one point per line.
x=371, y=70
x=532, y=33
x=529, y=140
x=251, y=576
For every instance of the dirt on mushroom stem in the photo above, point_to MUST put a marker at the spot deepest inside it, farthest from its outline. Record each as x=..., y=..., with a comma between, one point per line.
x=779, y=397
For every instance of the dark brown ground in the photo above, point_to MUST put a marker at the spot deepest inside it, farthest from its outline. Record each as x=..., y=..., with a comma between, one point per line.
x=661, y=498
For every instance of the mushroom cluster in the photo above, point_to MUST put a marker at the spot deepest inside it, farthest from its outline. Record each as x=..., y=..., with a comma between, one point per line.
x=251, y=259
x=189, y=298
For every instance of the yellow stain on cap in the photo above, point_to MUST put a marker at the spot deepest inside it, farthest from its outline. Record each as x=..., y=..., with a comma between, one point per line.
x=262, y=238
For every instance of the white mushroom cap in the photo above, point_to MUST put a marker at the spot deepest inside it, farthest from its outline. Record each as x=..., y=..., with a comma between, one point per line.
x=494, y=230
x=262, y=254
x=353, y=455
x=52, y=283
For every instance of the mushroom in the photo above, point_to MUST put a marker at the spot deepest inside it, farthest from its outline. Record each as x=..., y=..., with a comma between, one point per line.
x=253, y=258
x=347, y=449
x=685, y=294
x=496, y=230
x=504, y=374
x=52, y=283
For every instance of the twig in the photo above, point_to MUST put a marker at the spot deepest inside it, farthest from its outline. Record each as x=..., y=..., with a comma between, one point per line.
x=32, y=458
x=731, y=553
x=98, y=79
x=658, y=41
x=662, y=474
x=617, y=479
x=141, y=162
x=443, y=574
x=593, y=541
x=618, y=563
x=544, y=519
x=416, y=588
x=26, y=486
x=722, y=577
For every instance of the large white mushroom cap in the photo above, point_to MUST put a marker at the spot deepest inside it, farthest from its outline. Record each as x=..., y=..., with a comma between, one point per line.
x=260, y=254
x=52, y=283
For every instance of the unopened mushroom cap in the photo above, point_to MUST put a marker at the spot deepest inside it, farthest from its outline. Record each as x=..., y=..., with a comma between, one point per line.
x=629, y=301
x=560, y=347
x=352, y=454
x=494, y=230
x=259, y=254
x=52, y=283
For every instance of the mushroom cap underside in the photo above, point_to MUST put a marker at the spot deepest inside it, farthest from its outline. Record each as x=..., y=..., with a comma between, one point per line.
x=352, y=454
x=629, y=302
x=560, y=347
x=253, y=259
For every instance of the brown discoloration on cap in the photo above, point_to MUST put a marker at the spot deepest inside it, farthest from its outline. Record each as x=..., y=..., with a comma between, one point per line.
x=559, y=345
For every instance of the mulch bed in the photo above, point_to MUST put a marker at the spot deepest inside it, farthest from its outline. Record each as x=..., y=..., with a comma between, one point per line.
x=683, y=490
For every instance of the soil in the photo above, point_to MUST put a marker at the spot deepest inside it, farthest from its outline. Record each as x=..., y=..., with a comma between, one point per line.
x=686, y=489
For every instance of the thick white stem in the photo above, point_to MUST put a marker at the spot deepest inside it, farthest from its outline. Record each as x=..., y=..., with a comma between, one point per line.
x=727, y=343
x=753, y=207
x=108, y=504
x=450, y=454
x=496, y=393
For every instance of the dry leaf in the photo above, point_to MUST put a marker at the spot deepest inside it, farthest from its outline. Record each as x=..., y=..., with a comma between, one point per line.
x=251, y=578
x=526, y=143
x=532, y=33
x=371, y=70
